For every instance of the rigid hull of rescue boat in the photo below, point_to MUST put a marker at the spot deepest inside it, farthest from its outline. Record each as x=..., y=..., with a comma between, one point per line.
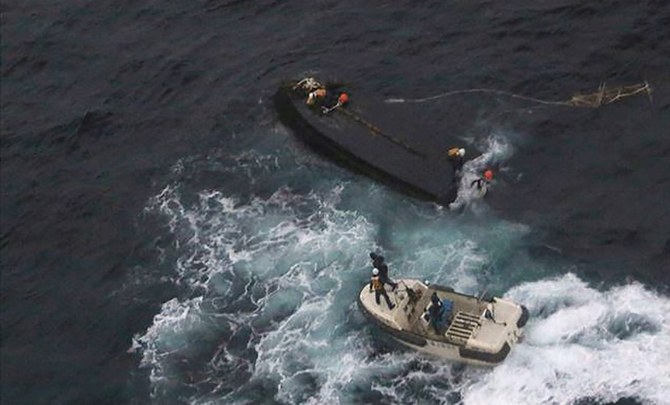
x=383, y=141
x=474, y=331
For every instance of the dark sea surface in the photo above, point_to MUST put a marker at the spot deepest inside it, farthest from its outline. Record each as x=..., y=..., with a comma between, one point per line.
x=165, y=239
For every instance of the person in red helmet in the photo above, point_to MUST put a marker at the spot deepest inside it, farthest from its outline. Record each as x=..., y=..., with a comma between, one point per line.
x=341, y=100
x=485, y=179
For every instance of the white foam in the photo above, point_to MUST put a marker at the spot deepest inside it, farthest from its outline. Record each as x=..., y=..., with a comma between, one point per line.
x=289, y=267
x=261, y=239
x=497, y=148
x=166, y=335
x=310, y=257
x=571, y=351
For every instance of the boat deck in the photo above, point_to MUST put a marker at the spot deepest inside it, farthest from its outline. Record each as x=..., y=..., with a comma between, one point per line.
x=477, y=331
x=408, y=315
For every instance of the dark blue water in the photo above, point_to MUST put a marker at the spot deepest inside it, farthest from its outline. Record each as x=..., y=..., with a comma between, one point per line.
x=165, y=239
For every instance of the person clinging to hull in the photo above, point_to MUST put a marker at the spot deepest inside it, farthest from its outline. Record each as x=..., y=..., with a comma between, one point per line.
x=484, y=180
x=315, y=96
x=377, y=285
x=456, y=157
x=379, y=264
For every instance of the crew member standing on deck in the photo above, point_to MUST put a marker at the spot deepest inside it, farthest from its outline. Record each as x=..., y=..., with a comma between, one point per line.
x=377, y=285
x=378, y=263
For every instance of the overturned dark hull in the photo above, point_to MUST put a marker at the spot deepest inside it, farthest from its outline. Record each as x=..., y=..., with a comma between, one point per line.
x=384, y=141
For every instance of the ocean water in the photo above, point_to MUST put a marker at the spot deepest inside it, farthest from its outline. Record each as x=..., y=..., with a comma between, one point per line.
x=165, y=239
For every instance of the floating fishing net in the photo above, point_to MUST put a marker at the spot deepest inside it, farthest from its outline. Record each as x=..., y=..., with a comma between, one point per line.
x=604, y=95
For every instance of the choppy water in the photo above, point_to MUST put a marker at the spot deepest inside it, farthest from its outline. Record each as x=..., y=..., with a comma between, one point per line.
x=265, y=310
x=165, y=239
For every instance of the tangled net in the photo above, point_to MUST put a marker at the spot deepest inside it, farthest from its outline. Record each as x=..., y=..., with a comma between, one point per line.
x=607, y=96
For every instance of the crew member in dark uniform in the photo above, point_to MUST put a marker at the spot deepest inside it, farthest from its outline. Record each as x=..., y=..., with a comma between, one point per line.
x=378, y=263
x=434, y=312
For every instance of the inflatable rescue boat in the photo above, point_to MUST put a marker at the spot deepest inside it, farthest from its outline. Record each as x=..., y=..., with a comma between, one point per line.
x=439, y=321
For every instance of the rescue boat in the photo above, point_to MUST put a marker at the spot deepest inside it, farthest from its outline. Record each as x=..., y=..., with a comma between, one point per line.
x=361, y=132
x=465, y=328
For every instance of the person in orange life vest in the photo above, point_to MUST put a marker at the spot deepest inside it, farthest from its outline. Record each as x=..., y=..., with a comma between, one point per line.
x=456, y=157
x=378, y=263
x=316, y=95
x=378, y=286
x=485, y=179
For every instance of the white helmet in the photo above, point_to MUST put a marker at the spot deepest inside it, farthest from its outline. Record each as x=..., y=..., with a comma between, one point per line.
x=375, y=272
x=461, y=152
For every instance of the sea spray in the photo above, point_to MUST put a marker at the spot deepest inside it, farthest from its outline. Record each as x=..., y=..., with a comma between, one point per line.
x=497, y=148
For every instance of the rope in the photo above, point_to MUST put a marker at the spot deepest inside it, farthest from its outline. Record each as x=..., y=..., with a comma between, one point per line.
x=490, y=91
x=377, y=131
x=592, y=100
x=309, y=84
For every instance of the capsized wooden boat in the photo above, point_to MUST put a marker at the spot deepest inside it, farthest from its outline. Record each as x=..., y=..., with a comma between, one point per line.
x=384, y=141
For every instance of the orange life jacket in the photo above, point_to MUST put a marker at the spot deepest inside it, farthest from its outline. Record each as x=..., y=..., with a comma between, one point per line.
x=315, y=95
x=453, y=152
x=376, y=283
